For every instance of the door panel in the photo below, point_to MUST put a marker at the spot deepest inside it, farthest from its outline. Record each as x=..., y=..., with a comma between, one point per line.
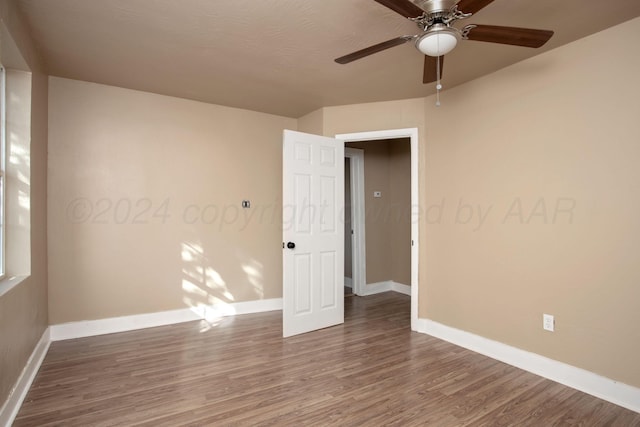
x=302, y=217
x=327, y=208
x=327, y=267
x=303, y=282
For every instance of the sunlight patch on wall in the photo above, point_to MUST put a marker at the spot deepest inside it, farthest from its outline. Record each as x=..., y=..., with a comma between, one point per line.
x=204, y=289
x=253, y=270
x=19, y=160
x=190, y=288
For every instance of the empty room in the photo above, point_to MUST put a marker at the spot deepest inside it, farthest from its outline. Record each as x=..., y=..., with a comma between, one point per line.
x=319, y=212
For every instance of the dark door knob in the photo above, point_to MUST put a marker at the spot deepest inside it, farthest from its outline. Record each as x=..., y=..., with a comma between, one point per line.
x=291, y=245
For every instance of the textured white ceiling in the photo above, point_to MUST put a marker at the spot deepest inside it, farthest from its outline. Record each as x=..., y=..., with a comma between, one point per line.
x=276, y=56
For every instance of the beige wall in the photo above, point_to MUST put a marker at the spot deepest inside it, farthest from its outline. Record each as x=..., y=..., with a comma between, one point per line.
x=387, y=168
x=145, y=195
x=400, y=202
x=116, y=154
x=520, y=147
x=23, y=309
x=312, y=123
x=377, y=227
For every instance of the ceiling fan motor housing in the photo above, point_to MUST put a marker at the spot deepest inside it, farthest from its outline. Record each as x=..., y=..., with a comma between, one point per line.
x=431, y=6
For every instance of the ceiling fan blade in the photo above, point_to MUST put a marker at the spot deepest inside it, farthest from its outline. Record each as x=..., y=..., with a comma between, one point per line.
x=403, y=7
x=430, y=74
x=509, y=35
x=472, y=6
x=373, y=49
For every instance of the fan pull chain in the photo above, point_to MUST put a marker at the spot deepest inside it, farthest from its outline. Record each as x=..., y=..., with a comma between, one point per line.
x=438, y=85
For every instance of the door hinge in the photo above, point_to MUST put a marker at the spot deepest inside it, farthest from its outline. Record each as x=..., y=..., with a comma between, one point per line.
x=412, y=243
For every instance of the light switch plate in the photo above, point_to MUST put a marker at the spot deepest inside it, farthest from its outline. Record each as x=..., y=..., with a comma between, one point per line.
x=377, y=194
x=548, y=322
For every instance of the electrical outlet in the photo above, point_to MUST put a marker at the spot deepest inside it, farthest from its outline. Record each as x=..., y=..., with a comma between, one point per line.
x=548, y=322
x=377, y=194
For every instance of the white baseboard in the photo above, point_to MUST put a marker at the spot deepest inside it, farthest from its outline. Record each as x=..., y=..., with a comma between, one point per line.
x=88, y=328
x=112, y=325
x=596, y=385
x=400, y=288
x=348, y=282
x=386, y=286
x=257, y=306
x=11, y=407
x=377, y=288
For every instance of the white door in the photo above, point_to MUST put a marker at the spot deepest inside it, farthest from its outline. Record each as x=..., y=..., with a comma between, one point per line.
x=313, y=232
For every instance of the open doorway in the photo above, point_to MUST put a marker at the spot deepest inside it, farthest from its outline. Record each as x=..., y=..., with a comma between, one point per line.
x=386, y=199
x=386, y=256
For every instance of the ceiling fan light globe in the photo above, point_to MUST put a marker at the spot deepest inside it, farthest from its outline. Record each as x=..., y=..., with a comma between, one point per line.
x=438, y=42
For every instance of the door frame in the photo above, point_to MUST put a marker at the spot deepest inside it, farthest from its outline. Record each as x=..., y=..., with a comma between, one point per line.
x=358, y=249
x=412, y=134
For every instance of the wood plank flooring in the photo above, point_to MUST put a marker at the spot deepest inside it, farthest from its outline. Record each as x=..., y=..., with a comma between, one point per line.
x=371, y=371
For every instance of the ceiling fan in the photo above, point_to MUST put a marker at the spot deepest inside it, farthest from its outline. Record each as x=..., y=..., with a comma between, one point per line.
x=439, y=36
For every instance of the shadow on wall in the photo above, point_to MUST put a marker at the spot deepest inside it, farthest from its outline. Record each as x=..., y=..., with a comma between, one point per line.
x=205, y=290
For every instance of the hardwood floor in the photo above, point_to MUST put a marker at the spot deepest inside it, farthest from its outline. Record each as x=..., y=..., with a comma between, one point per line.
x=370, y=371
